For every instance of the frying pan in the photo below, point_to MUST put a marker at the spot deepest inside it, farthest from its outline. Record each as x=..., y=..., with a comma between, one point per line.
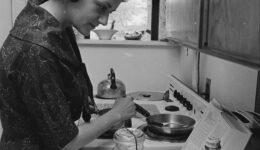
x=167, y=124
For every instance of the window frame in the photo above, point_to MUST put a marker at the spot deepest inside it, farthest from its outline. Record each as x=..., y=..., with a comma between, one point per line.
x=155, y=20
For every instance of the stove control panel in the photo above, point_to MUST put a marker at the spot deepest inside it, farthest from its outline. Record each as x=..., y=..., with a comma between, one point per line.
x=186, y=98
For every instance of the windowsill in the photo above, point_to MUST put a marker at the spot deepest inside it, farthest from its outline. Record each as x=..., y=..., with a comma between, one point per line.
x=122, y=43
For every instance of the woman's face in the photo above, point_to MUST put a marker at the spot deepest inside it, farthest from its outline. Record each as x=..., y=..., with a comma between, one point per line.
x=85, y=15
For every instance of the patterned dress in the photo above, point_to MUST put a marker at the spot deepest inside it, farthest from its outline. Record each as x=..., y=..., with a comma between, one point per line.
x=44, y=86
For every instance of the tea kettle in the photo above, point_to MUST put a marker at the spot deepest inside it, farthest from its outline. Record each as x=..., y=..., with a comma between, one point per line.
x=111, y=88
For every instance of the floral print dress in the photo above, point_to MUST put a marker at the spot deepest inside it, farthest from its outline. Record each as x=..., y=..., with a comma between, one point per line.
x=44, y=86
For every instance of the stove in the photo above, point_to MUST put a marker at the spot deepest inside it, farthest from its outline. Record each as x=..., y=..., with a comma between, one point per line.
x=182, y=100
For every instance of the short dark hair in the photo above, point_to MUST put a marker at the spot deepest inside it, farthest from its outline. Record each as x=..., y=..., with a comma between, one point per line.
x=38, y=2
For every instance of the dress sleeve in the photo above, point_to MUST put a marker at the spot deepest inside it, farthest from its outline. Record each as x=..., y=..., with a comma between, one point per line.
x=42, y=93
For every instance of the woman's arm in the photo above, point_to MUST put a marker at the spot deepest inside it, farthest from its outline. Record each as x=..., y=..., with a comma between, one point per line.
x=123, y=109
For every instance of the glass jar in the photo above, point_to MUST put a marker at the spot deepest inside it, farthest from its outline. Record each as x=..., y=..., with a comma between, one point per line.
x=212, y=143
x=129, y=139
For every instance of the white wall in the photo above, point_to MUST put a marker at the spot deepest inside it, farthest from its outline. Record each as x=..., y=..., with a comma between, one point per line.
x=148, y=68
x=5, y=16
x=9, y=11
x=232, y=84
x=17, y=6
x=140, y=68
x=187, y=62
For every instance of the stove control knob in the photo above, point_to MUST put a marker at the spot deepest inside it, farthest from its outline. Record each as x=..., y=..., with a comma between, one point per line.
x=178, y=96
x=175, y=93
x=189, y=106
x=181, y=98
x=185, y=102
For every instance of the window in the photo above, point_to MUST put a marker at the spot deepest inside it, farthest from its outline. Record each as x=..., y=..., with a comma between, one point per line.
x=131, y=16
x=136, y=16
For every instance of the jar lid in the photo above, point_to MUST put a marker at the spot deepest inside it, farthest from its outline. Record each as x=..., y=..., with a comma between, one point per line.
x=213, y=142
x=129, y=134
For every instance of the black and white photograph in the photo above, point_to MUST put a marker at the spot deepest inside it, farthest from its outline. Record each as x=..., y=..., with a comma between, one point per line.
x=130, y=75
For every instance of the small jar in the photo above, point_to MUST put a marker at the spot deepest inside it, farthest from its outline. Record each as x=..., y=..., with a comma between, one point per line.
x=212, y=143
x=129, y=139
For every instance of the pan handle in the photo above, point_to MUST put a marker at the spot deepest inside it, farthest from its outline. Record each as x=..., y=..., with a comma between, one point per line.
x=142, y=111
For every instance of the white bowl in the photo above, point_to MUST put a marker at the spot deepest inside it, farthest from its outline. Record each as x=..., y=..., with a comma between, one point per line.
x=105, y=34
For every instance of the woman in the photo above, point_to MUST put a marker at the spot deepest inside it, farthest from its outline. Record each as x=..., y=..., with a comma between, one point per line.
x=44, y=86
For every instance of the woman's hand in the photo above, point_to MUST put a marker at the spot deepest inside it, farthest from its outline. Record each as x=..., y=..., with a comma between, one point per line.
x=117, y=125
x=124, y=107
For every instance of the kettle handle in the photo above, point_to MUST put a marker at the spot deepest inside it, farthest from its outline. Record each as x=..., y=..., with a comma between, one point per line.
x=113, y=79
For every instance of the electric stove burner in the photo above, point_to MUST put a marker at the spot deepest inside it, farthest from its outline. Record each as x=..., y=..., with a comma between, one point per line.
x=156, y=137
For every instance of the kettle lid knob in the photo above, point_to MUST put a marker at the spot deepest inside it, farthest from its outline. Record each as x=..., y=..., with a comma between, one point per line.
x=113, y=79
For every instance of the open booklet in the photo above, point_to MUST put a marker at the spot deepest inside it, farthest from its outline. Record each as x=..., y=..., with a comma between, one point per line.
x=218, y=122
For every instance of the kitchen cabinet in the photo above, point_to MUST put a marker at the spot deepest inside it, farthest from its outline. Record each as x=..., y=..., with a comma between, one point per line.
x=184, y=21
x=228, y=29
x=233, y=29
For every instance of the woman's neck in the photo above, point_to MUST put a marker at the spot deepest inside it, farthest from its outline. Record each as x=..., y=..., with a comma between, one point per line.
x=58, y=9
